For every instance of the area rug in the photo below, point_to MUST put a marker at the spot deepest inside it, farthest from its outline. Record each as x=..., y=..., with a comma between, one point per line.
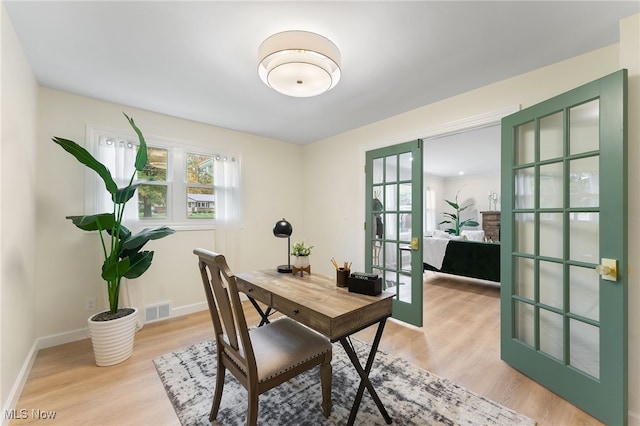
x=412, y=396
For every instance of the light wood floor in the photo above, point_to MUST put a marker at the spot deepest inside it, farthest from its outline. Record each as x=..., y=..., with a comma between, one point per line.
x=459, y=341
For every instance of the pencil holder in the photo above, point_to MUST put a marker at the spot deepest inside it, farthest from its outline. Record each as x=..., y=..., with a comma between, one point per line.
x=341, y=277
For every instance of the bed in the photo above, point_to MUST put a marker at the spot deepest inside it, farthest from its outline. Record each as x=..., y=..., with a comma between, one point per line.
x=474, y=259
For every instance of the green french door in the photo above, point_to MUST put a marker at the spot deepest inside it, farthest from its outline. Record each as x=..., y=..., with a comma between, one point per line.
x=393, y=245
x=564, y=246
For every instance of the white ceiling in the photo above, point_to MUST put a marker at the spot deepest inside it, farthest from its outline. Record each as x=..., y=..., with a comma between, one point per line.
x=472, y=153
x=198, y=60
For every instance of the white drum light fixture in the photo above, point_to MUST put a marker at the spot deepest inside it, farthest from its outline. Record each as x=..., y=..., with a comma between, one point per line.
x=299, y=63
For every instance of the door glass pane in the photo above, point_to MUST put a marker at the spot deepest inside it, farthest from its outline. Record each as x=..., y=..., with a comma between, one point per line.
x=524, y=283
x=584, y=127
x=404, y=289
x=377, y=256
x=391, y=167
x=551, y=186
x=525, y=188
x=391, y=226
x=405, y=227
x=525, y=144
x=584, y=182
x=405, y=196
x=377, y=205
x=584, y=341
x=551, y=331
x=390, y=197
x=523, y=232
x=584, y=237
x=551, y=284
x=405, y=166
x=378, y=171
x=584, y=287
x=551, y=137
x=524, y=323
x=390, y=257
x=551, y=235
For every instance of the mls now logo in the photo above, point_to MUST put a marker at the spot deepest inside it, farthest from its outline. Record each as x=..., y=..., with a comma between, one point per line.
x=15, y=414
x=21, y=414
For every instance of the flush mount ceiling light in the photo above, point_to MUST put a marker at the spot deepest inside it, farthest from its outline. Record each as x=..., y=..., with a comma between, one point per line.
x=299, y=63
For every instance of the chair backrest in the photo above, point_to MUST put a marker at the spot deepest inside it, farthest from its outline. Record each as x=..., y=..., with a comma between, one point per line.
x=225, y=308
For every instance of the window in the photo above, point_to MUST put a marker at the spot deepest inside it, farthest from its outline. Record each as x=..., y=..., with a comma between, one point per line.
x=429, y=209
x=183, y=186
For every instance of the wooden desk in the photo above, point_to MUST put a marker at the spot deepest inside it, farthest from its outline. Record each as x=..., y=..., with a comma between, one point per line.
x=316, y=301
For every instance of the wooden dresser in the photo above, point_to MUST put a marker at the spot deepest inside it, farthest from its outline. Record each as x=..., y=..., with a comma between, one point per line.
x=491, y=225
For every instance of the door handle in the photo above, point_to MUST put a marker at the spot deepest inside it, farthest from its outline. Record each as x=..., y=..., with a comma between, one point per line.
x=608, y=269
x=415, y=244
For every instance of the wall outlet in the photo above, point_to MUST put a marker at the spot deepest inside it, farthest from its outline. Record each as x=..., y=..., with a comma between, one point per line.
x=90, y=304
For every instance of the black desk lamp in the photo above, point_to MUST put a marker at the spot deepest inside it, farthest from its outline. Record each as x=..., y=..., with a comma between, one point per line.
x=283, y=229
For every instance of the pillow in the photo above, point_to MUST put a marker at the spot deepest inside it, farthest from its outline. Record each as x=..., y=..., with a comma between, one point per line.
x=440, y=234
x=473, y=235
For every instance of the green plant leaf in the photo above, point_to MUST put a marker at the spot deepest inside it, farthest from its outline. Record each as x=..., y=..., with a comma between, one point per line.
x=452, y=204
x=139, y=263
x=96, y=222
x=141, y=156
x=83, y=156
x=469, y=222
x=135, y=243
x=111, y=271
x=123, y=195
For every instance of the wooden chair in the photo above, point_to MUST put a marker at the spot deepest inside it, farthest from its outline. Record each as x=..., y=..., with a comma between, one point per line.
x=264, y=357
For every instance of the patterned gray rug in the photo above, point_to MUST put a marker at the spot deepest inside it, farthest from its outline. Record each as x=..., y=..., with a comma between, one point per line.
x=411, y=396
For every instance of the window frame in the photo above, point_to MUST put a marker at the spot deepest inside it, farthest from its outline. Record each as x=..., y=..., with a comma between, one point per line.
x=176, y=179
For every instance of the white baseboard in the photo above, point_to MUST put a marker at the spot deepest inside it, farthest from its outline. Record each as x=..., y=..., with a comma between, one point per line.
x=16, y=389
x=188, y=309
x=60, y=339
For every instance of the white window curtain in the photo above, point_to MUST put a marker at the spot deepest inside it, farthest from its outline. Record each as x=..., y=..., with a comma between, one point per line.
x=429, y=210
x=118, y=155
x=228, y=207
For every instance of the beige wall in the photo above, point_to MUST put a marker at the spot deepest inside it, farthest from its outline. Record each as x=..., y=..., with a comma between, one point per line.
x=17, y=210
x=71, y=259
x=334, y=214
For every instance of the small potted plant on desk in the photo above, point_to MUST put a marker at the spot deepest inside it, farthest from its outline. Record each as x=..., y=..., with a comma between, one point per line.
x=301, y=253
x=112, y=332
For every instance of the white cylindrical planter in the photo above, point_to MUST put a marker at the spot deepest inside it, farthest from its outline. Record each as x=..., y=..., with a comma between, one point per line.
x=300, y=261
x=112, y=341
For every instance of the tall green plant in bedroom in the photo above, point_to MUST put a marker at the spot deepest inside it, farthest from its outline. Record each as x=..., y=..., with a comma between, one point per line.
x=454, y=218
x=123, y=257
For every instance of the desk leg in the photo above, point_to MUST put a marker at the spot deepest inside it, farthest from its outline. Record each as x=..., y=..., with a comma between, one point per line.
x=263, y=314
x=364, y=375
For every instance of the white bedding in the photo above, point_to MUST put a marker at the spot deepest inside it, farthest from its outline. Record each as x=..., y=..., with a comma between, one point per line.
x=433, y=251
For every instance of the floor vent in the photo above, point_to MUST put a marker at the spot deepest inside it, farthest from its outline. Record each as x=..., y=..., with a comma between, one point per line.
x=157, y=312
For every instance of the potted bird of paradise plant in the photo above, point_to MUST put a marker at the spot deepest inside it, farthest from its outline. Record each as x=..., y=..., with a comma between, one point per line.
x=453, y=219
x=112, y=331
